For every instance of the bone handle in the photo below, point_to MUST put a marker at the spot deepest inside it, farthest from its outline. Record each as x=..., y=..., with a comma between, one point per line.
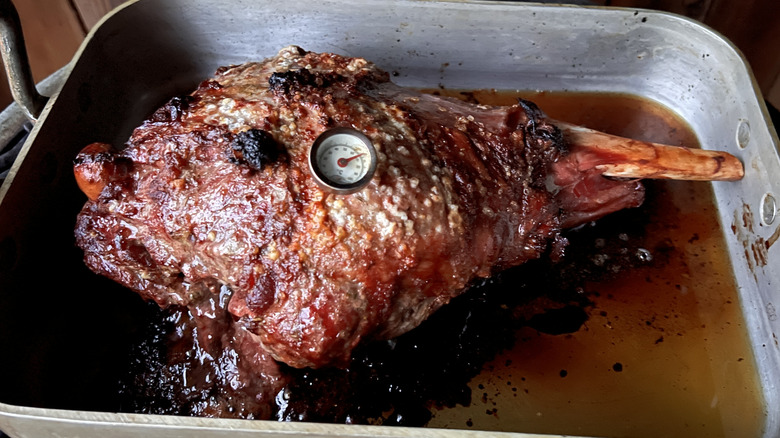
x=621, y=157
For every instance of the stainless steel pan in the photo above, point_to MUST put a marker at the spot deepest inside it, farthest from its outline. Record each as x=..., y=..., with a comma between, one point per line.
x=53, y=344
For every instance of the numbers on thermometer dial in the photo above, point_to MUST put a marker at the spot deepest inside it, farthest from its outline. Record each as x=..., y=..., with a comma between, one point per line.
x=342, y=160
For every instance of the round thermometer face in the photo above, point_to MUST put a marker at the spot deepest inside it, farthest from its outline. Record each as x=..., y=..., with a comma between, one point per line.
x=342, y=160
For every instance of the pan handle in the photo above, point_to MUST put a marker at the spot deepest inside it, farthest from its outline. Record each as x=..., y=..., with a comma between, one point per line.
x=17, y=64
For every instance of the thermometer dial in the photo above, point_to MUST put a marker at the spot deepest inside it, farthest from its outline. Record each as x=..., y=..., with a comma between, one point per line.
x=342, y=160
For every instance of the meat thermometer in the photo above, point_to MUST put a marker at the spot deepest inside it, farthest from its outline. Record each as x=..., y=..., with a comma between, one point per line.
x=342, y=160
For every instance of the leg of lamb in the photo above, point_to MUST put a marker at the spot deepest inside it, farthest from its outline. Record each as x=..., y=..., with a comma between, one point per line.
x=213, y=195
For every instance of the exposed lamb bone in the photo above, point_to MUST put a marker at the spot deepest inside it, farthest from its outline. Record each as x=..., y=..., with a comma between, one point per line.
x=627, y=158
x=579, y=180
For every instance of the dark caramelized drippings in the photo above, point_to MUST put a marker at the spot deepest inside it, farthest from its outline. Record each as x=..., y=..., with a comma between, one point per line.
x=392, y=382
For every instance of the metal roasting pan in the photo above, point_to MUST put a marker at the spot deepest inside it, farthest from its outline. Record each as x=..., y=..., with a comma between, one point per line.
x=57, y=351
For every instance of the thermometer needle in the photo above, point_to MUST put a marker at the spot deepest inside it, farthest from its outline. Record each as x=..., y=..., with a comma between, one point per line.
x=342, y=162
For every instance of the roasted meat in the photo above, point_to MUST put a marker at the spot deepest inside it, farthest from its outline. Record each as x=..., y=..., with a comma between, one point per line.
x=213, y=195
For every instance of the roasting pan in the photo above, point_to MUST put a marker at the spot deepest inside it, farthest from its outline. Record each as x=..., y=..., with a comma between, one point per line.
x=62, y=330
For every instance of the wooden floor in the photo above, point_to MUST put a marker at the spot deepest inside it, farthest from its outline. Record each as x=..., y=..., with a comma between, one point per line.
x=54, y=30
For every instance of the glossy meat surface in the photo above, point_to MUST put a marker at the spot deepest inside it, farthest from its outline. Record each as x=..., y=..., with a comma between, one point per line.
x=215, y=189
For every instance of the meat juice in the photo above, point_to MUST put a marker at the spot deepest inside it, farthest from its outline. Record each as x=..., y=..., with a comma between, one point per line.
x=664, y=351
x=637, y=331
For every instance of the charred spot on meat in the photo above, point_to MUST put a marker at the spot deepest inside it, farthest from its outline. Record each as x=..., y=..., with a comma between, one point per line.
x=461, y=191
x=253, y=148
x=286, y=82
x=173, y=110
x=540, y=135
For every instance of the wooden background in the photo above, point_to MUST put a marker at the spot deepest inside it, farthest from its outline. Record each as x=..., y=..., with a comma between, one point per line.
x=53, y=31
x=55, y=28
